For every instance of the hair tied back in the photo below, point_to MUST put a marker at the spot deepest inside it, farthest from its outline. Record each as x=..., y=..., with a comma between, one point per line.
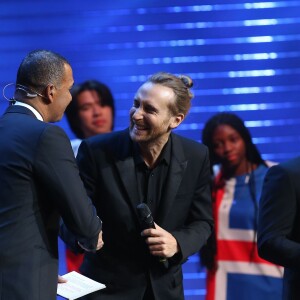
x=187, y=81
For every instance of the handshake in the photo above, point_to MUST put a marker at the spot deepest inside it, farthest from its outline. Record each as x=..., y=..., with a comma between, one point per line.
x=99, y=245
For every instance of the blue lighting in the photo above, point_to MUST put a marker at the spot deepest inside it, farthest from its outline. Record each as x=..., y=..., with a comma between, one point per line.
x=243, y=56
x=194, y=292
x=200, y=8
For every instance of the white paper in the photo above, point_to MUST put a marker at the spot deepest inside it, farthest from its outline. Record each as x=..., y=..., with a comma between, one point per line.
x=77, y=286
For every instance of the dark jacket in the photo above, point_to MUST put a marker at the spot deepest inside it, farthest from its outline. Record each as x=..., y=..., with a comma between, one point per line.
x=279, y=223
x=39, y=181
x=124, y=264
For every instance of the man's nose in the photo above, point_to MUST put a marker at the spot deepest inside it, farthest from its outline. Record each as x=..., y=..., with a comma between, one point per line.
x=137, y=114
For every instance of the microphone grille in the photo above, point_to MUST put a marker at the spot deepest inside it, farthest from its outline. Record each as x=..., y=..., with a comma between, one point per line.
x=143, y=211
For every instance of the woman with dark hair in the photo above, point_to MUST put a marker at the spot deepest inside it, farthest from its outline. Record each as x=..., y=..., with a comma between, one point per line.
x=235, y=270
x=91, y=111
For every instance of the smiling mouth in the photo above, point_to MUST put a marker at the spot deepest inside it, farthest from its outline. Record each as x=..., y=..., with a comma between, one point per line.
x=139, y=127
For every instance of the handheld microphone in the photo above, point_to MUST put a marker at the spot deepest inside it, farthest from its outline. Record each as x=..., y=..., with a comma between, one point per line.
x=145, y=216
x=146, y=221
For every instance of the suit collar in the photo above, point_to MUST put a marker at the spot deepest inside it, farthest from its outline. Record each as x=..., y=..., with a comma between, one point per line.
x=31, y=108
x=20, y=110
x=126, y=167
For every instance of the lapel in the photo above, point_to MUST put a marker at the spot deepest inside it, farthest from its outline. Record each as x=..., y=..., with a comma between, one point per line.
x=174, y=178
x=126, y=168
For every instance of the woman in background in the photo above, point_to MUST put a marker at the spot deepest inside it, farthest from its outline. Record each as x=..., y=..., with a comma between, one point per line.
x=235, y=270
x=90, y=112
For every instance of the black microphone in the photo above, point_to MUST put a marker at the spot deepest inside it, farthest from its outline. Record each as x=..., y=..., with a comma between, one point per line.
x=145, y=216
x=146, y=221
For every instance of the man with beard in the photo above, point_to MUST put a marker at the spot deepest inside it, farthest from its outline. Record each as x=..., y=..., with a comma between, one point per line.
x=147, y=163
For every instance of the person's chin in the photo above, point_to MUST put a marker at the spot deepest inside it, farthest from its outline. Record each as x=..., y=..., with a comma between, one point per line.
x=137, y=136
x=55, y=119
x=232, y=161
x=231, y=164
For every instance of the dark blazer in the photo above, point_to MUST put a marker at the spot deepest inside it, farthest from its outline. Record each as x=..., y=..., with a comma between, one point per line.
x=279, y=223
x=39, y=181
x=107, y=167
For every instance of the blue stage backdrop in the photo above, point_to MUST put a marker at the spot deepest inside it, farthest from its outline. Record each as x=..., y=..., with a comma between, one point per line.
x=244, y=57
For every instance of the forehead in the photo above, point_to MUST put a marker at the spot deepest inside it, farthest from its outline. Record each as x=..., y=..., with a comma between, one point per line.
x=155, y=93
x=224, y=130
x=88, y=95
x=68, y=75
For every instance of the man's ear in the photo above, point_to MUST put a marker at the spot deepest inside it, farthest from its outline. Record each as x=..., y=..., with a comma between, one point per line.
x=50, y=92
x=176, y=120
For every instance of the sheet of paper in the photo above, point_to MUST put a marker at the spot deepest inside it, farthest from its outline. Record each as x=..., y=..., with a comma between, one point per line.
x=77, y=286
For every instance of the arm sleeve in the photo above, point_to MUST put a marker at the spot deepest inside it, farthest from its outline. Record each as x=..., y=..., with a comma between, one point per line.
x=88, y=169
x=277, y=214
x=57, y=172
x=199, y=223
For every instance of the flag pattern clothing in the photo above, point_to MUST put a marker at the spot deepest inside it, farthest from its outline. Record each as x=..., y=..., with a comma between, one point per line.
x=241, y=274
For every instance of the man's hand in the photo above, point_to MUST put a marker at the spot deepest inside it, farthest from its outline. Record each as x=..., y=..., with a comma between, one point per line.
x=100, y=241
x=100, y=244
x=60, y=279
x=161, y=243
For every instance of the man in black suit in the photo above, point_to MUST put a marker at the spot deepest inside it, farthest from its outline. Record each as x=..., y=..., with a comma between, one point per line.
x=147, y=163
x=39, y=181
x=279, y=223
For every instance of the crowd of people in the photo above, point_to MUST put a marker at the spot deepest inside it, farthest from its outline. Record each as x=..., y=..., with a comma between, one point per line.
x=213, y=197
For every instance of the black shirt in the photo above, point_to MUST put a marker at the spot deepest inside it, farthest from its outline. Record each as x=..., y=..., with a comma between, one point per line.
x=151, y=182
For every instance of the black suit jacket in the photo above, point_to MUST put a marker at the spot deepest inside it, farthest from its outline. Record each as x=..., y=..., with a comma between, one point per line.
x=39, y=182
x=279, y=223
x=107, y=167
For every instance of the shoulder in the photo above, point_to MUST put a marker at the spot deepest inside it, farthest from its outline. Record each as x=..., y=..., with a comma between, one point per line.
x=53, y=143
x=291, y=166
x=53, y=131
x=270, y=163
x=189, y=146
x=41, y=130
x=108, y=139
x=186, y=142
x=52, y=137
x=117, y=144
x=284, y=174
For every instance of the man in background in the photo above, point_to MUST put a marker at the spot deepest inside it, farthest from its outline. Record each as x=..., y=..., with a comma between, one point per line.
x=39, y=181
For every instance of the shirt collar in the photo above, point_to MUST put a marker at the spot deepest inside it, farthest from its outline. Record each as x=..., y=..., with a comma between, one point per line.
x=165, y=155
x=36, y=113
